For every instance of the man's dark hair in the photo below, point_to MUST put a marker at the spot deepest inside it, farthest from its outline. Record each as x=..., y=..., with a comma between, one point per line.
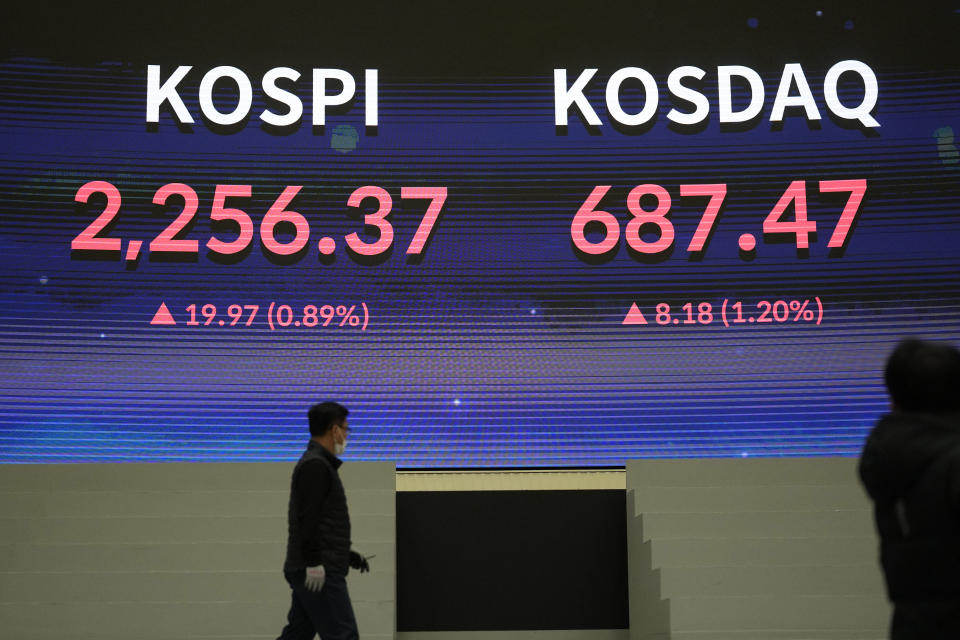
x=324, y=415
x=924, y=376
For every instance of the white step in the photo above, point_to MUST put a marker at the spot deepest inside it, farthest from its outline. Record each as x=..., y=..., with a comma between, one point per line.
x=713, y=472
x=169, y=529
x=180, y=503
x=714, y=499
x=776, y=634
x=796, y=613
x=263, y=618
x=808, y=580
x=229, y=476
x=718, y=552
x=166, y=586
x=186, y=556
x=730, y=524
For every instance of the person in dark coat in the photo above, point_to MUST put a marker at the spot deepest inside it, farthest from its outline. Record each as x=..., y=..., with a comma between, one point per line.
x=318, y=543
x=910, y=467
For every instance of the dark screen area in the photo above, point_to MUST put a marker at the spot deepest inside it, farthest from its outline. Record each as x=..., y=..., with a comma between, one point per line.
x=511, y=560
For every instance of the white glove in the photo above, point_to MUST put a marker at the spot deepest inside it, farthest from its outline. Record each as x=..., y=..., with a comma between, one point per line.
x=315, y=577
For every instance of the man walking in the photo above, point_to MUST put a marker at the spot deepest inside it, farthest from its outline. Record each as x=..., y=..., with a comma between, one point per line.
x=910, y=466
x=318, y=543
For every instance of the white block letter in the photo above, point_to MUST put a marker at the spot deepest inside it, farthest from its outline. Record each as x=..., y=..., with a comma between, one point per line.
x=293, y=103
x=870, y=92
x=244, y=100
x=320, y=98
x=372, y=105
x=157, y=95
x=727, y=114
x=613, y=96
x=794, y=73
x=564, y=98
x=690, y=95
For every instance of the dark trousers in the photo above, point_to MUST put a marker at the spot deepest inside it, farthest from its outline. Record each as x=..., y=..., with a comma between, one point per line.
x=936, y=620
x=327, y=612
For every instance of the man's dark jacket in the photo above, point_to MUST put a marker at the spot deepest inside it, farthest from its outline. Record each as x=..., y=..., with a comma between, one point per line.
x=318, y=523
x=910, y=466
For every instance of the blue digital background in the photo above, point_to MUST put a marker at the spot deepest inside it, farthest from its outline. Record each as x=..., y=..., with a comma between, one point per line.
x=501, y=347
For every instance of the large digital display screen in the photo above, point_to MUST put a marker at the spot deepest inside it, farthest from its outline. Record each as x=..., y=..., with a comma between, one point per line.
x=504, y=235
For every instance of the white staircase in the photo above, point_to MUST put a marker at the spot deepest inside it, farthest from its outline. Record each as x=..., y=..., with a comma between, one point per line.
x=752, y=549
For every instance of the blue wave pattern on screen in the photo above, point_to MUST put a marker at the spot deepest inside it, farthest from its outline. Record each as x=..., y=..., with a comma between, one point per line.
x=501, y=346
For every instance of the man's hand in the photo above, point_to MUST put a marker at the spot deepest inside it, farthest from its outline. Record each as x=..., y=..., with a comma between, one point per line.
x=358, y=562
x=315, y=577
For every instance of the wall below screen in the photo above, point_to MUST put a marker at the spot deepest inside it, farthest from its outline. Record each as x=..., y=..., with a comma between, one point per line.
x=726, y=549
x=172, y=551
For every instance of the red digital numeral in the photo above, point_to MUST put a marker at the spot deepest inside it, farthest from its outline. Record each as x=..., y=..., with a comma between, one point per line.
x=588, y=213
x=437, y=196
x=857, y=189
x=765, y=308
x=167, y=240
x=717, y=193
x=800, y=227
x=277, y=214
x=87, y=239
x=642, y=217
x=219, y=212
x=376, y=219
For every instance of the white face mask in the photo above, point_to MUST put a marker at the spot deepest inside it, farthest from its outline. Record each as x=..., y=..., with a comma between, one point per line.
x=340, y=447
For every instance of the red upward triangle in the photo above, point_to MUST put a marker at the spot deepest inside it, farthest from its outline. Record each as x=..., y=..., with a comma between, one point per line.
x=163, y=316
x=634, y=316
